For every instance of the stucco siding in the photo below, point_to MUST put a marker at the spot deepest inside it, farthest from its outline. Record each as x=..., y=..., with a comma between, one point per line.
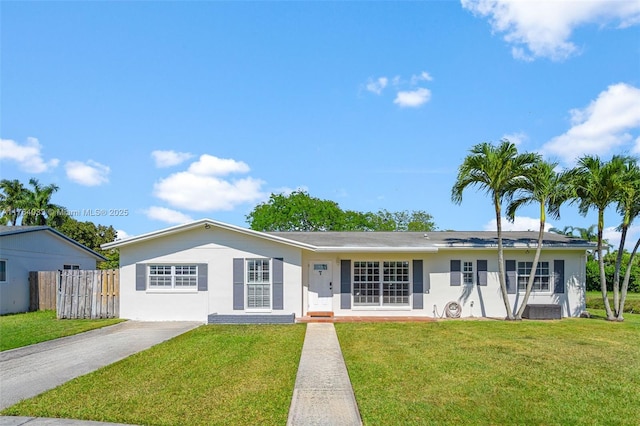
x=476, y=300
x=34, y=251
x=215, y=247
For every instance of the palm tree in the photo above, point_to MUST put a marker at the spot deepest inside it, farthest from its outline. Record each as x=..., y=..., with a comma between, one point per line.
x=37, y=203
x=11, y=200
x=500, y=171
x=629, y=207
x=596, y=185
x=549, y=189
x=566, y=231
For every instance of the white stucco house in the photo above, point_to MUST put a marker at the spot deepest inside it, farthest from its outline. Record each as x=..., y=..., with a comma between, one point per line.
x=35, y=248
x=215, y=272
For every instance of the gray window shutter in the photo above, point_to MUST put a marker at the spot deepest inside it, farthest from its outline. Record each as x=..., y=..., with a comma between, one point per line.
x=202, y=276
x=141, y=277
x=512, y=282
x=278, y=283
x=238, y=284
x=558, y=276
x=345, y=284
x=418, y=287
x=455, y=277
x=482, y=272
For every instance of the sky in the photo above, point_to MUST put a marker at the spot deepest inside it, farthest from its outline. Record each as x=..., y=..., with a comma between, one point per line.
x=151, y=114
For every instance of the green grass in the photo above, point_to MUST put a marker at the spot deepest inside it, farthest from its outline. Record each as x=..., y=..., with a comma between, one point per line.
x=17, y=330
x=631, y=304
x=213, y=375
x=574, y=371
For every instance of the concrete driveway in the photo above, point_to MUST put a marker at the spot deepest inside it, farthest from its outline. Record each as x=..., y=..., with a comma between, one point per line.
x=26, y=372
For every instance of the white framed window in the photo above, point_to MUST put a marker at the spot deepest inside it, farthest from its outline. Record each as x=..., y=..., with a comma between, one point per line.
x=71, y=267
x=258, y=281
x=173, y=276
x=541, y=279
x=467, y=273
x=370, y=281
x=3, y=270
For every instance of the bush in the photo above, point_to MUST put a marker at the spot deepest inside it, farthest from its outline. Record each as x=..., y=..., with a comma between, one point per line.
x=593, y=272
x=631, y=304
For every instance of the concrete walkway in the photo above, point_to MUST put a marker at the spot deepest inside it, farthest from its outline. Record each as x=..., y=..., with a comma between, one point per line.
x=28, y=371
x=323, y=394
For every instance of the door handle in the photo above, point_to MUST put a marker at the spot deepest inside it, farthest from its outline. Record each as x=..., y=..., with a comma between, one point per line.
x=330, y=285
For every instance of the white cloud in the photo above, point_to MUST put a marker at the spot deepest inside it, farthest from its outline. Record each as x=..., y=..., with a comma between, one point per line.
x=121, y=234
x=28, y=156
x=521, y=223
x=543, y=29
x=636, y=148
x=208, y=165
x=516, y=138
x=170, y=158
x=376, y=86
x=201, y=188
x=613, y=237
x=414, y=98
x=164, y=214
x=605, y=124
x=423, y=76
x=90, y=173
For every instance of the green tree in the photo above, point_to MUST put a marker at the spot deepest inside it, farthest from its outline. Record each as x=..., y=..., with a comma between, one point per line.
x=37, y=205
x=92, y=236
x=297, y=211
x=500, y=172
x=544, y=186
x=628, y=205
x=596, y=185
x=11, y=200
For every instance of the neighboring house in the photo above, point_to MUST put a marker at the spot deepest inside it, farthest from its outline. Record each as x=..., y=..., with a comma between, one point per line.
x=35, y=248
x=208, y=270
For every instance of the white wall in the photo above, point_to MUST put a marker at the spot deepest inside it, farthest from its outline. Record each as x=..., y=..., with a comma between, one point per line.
x=217, y=248
x=34, y=251
x=485, y=301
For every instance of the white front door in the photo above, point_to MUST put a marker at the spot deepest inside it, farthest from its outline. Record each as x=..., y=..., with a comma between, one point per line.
x=320, y=287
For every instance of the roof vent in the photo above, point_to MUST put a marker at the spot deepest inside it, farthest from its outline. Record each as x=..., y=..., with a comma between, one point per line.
x=426, y=236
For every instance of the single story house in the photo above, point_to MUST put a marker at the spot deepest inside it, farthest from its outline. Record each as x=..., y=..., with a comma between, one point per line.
x=35, y=248
x=211, y=271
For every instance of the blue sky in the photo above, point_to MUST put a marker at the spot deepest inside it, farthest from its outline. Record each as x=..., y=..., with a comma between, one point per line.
x=175, y=111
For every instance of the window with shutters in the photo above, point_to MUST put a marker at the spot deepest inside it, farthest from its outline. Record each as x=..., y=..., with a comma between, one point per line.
x=258, y=279
x=541, y=279
x=467, y=272
x=381, y=283
x=173, y=277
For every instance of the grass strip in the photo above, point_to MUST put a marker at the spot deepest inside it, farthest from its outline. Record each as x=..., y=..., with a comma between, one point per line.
x=17, y=330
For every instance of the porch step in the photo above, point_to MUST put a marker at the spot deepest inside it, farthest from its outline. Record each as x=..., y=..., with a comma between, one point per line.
x=320, y=314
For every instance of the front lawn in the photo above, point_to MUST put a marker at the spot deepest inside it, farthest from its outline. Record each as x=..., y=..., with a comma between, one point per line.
x=484, y=372
x=17, y=330
x=213, y=375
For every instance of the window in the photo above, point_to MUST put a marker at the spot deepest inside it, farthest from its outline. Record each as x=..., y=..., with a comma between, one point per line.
x=258, y=284
x=541, y=280
x=3, y=270
x=369, y=283
x=173, y=276
x=467, y=272
x=71, y=267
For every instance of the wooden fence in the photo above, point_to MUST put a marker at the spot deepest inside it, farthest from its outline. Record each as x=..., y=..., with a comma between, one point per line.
x=78, y=294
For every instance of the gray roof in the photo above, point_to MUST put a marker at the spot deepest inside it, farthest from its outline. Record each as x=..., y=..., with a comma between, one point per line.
x=437, y=239
x=12, y=230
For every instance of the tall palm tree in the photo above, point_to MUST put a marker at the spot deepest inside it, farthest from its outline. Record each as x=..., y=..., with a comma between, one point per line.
x=548, y=189
x=629, y=207
x=596, y=185
x=37, y=203
x=500, y=171
x=11, y=200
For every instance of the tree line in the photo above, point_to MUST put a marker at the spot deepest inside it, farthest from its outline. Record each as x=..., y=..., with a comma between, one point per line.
x=298, y=211
x=32, y=206
x=514, y=179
